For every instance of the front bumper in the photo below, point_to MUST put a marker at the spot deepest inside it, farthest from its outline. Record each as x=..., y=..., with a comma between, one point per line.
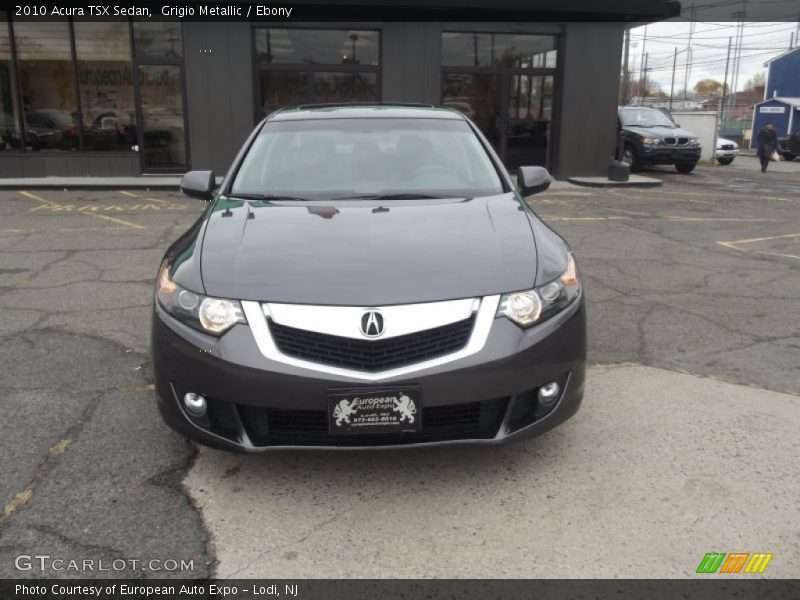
x=726, y=153
x=257, y=404
x=668, y=155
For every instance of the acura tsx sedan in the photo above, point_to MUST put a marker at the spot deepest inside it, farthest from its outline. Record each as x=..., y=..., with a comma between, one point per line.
x=367, y=276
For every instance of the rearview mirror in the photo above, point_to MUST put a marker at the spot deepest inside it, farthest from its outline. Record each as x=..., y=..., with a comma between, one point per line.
x=532, y=180
x=199, y=184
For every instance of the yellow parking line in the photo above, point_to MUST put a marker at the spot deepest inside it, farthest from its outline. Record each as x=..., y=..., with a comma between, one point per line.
x=554, y=218
x=38, y=198
x=779, y=254
x=56, y=204
x=115, y=220
x=734, y=243
x=723, y=219
x=132, y=195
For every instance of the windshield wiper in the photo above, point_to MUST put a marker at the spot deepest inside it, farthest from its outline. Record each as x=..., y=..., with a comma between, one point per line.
x=408, y=196
x=266, y=197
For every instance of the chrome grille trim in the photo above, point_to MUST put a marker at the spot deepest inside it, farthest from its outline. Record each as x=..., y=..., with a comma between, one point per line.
x=486, y=309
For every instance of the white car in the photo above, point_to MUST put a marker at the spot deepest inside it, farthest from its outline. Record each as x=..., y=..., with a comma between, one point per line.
x=727, y=150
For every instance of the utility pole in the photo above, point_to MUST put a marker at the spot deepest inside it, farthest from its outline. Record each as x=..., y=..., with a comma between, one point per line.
x=672, y=86
x=688, y=69
x=641, y=66
x=644, y=80
x=738, y=51
x=626, y=75
x=720, y=107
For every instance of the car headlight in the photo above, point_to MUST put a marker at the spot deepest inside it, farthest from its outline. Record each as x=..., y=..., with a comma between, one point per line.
x=651, y=141
x=529, y=307
x=694, y=140
x=210, y=315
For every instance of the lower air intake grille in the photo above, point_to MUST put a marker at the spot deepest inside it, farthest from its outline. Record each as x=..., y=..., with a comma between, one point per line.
x=277, y=427
x=372, y=355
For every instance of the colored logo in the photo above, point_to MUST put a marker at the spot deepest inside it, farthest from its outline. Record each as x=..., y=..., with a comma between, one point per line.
x=734, y=562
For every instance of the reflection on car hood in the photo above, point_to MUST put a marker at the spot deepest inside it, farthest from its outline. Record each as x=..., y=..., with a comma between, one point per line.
x=367, y=253
x=659, y=132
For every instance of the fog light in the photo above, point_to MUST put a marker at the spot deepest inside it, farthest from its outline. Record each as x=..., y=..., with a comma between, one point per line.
x=196, y=404
x=548, y=393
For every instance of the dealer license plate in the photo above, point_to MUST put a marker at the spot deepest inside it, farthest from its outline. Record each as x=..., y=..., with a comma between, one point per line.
x=371, y=411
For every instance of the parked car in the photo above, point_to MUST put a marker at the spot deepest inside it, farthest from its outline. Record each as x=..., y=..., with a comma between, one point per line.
x=651, y=137
x=428, y=305
x=789, y=146
x=726, y=151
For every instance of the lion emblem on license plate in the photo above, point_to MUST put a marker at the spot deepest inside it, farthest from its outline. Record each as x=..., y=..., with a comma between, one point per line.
x=343, y=411
x=406, y=407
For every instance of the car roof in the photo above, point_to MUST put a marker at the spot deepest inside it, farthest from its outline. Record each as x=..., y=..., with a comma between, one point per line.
x=364, y=111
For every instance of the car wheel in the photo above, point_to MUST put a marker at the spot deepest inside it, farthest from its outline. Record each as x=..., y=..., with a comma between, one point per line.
x=685, y=167
x=724, y=161
x=788, y=156
x=629, y=157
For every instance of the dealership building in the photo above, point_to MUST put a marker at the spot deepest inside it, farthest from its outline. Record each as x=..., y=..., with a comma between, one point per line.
x=123, y=98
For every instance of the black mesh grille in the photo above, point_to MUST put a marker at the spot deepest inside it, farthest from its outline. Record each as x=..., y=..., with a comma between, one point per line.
x=277, y=427
x=683, y=141
x=670, y=141
x=727, y=146
x=372, y=355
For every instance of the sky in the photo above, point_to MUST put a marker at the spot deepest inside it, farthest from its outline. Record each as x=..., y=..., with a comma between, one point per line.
x=761, y=41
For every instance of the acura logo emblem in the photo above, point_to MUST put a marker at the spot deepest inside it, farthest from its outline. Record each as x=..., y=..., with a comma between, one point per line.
x=372, y=324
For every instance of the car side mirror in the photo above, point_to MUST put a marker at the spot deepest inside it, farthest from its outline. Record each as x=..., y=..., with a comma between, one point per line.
x=199, y=184
x=532, y=180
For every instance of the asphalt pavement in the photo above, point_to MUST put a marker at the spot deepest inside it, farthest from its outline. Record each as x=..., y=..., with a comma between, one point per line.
x=686, y=442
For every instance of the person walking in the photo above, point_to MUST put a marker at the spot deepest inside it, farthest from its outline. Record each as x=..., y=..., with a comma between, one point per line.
x=767, y=145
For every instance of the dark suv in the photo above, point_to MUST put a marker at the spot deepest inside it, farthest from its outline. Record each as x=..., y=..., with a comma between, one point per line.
x=789, y=146
x=651, y=137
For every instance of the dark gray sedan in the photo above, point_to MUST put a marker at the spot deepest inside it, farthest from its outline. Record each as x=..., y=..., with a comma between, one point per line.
x=367, y=276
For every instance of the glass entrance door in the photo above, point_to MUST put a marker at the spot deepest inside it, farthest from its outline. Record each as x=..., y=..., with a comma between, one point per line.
x=480, y=97
x=162, y=137
x=504, y=83
x=530, y=105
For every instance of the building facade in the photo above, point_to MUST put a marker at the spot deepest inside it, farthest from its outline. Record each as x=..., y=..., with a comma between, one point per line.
x=129, y=97
x=781, y=105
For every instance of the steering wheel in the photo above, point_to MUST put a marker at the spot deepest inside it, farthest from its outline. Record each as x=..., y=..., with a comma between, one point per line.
x=433, y=169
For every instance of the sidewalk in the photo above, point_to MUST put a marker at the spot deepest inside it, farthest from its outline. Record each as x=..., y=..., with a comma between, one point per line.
x=92, y=183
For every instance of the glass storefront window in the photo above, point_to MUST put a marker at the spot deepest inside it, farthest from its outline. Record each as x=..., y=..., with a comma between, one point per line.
x=521, y=51
x=47, y=83
x=345, y=87
x=317, y=46
x=157, y=39
x=282, y=88
x=162, y=116
x=105, y=85
x=9, y=111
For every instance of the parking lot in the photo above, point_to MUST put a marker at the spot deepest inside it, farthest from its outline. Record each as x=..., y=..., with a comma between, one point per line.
x=686, y=444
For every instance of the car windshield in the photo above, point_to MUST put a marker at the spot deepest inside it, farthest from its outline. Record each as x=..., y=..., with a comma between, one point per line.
x=644, y=117
x=405, y=158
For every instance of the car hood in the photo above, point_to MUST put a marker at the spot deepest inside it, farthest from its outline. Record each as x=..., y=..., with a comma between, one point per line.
x=659, y=132
x=722, y=141
x=367, y=253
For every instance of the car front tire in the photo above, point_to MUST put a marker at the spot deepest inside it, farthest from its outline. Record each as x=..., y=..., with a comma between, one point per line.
x=630, y=158
x=724, y=161
x=685, y=167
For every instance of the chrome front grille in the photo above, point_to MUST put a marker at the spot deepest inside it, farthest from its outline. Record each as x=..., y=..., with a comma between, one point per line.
x=372, y=355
